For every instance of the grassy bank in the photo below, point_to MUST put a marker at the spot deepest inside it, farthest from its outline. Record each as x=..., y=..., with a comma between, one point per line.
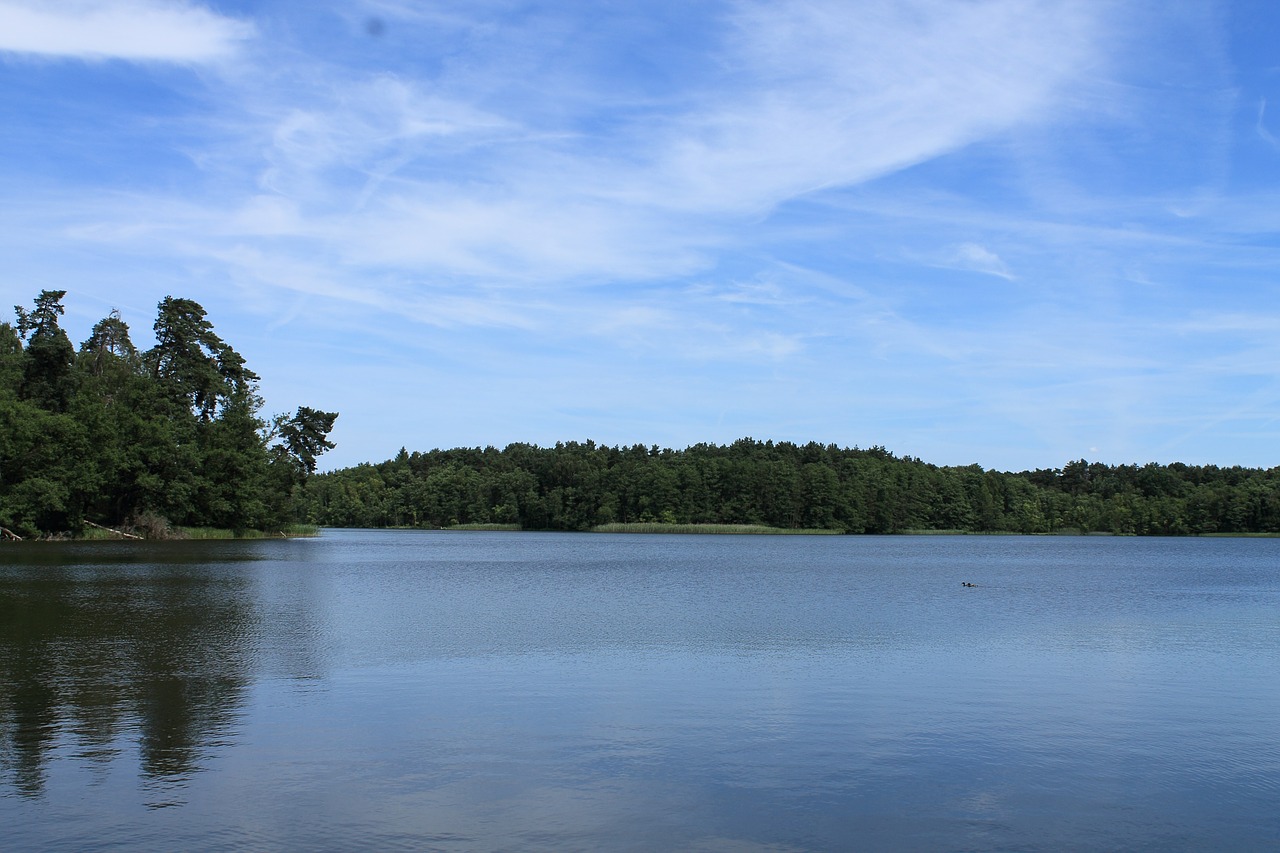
x=963, y=533
x=483, y=527
x=756, y=529
x=182, y=533
x=288, y=532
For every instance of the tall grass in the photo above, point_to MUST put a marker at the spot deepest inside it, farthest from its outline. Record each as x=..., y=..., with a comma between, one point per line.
x=217, y=533
x=289, y=531
x=1261, y=535
x=753, y=529
x=958, y=532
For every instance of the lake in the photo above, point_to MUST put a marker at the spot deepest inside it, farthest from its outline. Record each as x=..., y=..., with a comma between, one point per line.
x=415, y=690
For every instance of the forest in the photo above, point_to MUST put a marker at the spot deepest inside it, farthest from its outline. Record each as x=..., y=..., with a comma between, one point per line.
x=174, y=437
x=145, y=441
x=585, y=486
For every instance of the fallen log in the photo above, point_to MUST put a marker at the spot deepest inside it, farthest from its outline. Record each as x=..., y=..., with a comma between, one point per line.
x=113, y=530
x=6, y=533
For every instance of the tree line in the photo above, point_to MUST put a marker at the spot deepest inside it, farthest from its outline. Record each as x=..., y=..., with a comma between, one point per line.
x=110, y=435
x=579, y=486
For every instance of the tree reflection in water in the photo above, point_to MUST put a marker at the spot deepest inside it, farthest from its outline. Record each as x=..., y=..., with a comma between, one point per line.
x=97, y=658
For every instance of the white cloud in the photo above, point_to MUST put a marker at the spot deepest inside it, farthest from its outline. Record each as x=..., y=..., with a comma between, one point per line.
x=762, y=225
x=366, y=124
x=833, y=96
x=762, y=292
x=266, y=216
x=772, y=345
x=137, y=30
x=565, y=184
x=971, y=256
x=1266, y=135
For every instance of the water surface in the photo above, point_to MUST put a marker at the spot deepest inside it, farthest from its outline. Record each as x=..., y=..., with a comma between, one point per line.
x=490, y=691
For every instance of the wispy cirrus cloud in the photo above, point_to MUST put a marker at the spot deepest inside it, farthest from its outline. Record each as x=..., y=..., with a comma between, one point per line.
x=135, y=30
x=768, y=209
x=543, y=188
x=821, y=98
x=976, y=258
x=1261, y=126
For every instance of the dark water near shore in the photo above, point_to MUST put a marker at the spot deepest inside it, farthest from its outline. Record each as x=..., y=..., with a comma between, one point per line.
x=493, y=691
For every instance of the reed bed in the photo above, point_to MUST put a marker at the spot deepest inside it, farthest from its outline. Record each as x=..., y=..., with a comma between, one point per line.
x=749, y=529
x=288, y=532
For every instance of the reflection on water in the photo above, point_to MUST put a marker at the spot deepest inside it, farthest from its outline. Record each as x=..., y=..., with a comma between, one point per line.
x=474, y=691
x=95, y=659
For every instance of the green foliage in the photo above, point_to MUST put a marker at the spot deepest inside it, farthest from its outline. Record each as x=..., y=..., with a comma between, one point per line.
x=305, y=435
x=782, y=486
x=47, y=364
x=189, y=361
x=148, y=440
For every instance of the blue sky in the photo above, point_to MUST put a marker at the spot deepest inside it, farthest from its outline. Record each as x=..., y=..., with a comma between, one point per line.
x=972, y=231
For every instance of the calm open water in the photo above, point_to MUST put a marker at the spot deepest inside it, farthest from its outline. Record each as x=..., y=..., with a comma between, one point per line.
x=493, y=691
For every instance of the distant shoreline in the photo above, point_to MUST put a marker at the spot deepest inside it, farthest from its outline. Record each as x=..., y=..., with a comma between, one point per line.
x=175, y=534
x=765, y=530
x=203, y=534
